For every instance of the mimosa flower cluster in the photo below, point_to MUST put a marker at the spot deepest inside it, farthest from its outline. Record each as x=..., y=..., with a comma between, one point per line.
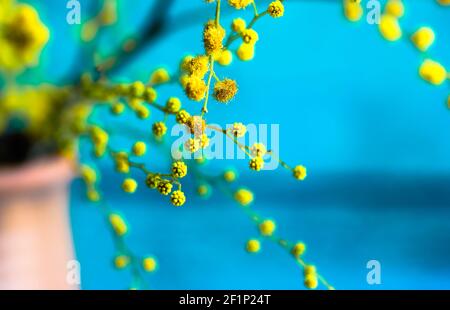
x=200, y=82
x=22, y=36
x=196, y=76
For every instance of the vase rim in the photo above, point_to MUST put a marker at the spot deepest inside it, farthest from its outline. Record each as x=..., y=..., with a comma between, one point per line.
x=36, y=174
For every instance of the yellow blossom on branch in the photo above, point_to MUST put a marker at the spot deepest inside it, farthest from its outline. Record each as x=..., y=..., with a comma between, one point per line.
x=22, y=37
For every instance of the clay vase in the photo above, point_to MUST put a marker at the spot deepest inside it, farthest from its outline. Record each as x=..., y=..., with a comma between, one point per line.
x=36, y=247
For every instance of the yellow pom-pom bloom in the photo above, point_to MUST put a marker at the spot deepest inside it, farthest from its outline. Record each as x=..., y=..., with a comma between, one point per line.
x=423, y=38
x=299, y=172
x=258, y=150
x=238, y=25
x=99, y=136
x=178, y=198
x=100, y=139
x=204, y=141
x=121, y=261
x=108, y=14
x=184, y=79
x=129, y=185
x=256, y=163
x=229, y=176
x=121, y=161
x=142, y=112
x=117, y=108
x=276, y=9
x=433, y=72
x=121, y=156
x=93, y=195
x=253, y=246
x=149, y=264
x=122, y=164
x=89, y=30
x=118, y=224
x=165, y=187
x=444, y=2
x=250, y=36
x=310, y=270
x=353, y=10
x=311, y=282
x=225, y=90
x=203, y=190
x=239, y=4
x=139, y=148
x=159, y=129
x=267, y=228
x=150, y=94
x=238, y=130
x=195, y=88
x=160, y=76
x=243, y=196
x=185, y=63
x=192, y=145
x=224, y=58
x=196, y=125
x=298, y=249
x=246, y=52
x=183, y=117
x=22, y=37
x=197, y=66
x=136, y=89
x=179, y=169
x=395, y=8
x=390, y=28
x=213, y=36
x=152, y=180
x=88, y=174
x=173, y=105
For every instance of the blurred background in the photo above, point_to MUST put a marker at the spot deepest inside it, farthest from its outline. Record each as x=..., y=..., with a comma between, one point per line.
x=351, y=107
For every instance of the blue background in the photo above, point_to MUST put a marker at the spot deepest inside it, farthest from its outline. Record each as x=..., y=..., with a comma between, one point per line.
x=351, y=107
